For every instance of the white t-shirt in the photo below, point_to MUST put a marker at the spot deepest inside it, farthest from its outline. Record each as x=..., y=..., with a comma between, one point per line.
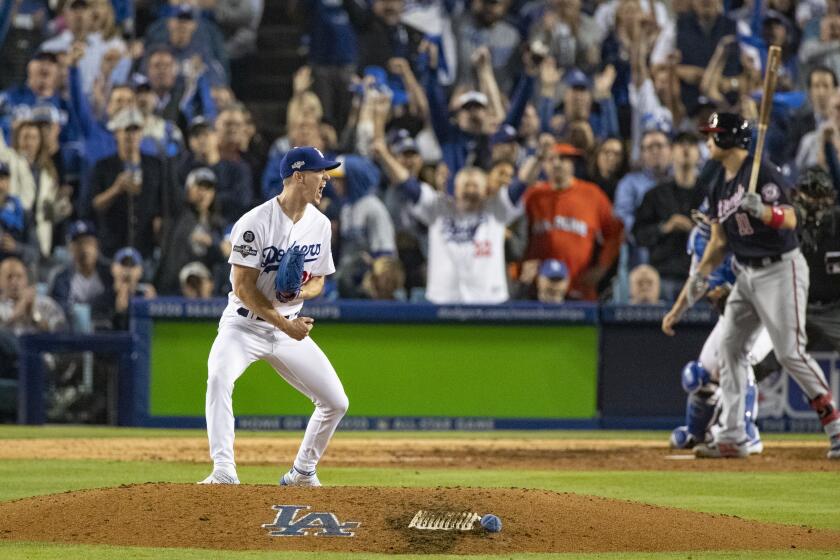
x=466, y=250
x=263, y=235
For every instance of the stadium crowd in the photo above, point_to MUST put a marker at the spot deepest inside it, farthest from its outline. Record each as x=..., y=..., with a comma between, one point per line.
x=491, y=149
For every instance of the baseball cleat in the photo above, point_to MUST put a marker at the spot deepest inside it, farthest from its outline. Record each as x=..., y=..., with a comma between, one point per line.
x=297, y=478
x=834, y=450
x=722, y=450
x=755, y=447
x=220, y=477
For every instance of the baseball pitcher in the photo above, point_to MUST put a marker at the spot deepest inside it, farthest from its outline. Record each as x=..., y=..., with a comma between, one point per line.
x=281, y=254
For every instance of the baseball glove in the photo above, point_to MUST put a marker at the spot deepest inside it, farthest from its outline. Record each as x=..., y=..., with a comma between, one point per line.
x=289, y=275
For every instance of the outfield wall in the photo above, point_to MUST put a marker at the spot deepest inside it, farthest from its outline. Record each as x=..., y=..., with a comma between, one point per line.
x=410, y=366
x=426, y=367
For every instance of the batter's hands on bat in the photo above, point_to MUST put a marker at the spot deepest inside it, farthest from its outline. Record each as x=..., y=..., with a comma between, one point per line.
x=299, y=328
x=752, y=205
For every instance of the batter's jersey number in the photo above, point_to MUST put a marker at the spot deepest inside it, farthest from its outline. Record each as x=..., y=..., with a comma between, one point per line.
x=744, y=226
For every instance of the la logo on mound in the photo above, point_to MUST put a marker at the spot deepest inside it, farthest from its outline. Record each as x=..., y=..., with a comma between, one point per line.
x=317, y=523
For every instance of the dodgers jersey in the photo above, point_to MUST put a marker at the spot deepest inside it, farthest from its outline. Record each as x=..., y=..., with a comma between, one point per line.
x=749, y=237
x=466, y=249
x=263, y=235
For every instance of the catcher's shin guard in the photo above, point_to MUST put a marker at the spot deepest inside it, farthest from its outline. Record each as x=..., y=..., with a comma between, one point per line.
x=681, y=439
x=754, y=445
x=700, y=411
x=694, y=376
x=751, y=401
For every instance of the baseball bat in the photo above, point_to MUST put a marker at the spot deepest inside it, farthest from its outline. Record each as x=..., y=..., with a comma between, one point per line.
x=774, y=57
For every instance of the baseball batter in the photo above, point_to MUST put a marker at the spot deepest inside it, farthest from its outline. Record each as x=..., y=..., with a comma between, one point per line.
x=256, y=326
x=771, y=288
x=701, y=378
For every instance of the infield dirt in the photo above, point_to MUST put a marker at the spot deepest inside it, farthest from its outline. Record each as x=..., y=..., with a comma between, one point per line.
x=461, y=453
x=232, y=518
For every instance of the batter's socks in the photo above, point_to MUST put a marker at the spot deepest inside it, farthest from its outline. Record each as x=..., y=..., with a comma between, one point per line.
x=828, y=414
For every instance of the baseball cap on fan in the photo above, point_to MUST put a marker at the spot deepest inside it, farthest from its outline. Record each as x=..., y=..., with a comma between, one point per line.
x=80, y=228
x=128, y=256
x=401, y=142
x=126, y=118
x=194, y=268
x=203, y=176
x=577, y=79
x=471, y=99
x=182, y=11
x=554, y=269
x=305, y=158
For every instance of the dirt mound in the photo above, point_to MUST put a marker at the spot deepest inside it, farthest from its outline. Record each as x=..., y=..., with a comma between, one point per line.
x=232, y=518
x=461, y=453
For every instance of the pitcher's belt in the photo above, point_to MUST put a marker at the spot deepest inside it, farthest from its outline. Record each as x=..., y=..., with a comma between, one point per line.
x=243, y=311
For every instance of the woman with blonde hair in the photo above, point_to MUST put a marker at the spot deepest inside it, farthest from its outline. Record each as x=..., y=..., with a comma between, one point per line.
x=35, y=181
x=104, y=21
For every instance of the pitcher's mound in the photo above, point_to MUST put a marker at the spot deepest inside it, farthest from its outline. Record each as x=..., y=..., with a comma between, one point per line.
x=233, y=517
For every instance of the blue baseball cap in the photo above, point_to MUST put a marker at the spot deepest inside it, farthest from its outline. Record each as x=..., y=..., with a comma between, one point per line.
x=401, y=142
x=305, y=158
x=656, y=123
x=182, y=11
x=506, y=134
x=128, y=253
x=80, y=228
x=139, y=82
x=576, y=78
x=554, y=269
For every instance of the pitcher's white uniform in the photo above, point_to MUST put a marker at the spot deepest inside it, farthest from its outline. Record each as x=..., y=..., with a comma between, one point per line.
x=466, y=249
x=259, y=240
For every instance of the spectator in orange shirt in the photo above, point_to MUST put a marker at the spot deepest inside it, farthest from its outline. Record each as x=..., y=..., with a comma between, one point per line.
x=567, y=217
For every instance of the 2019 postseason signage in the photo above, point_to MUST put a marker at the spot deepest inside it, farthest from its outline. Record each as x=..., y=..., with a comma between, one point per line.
x=403, y=366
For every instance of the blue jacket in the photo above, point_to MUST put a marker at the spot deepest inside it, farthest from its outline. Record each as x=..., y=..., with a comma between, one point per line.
x=361, y=177
x=332, y=39
x=12, y=217
x=23, y=96
x=207, y=35
x=5, y=19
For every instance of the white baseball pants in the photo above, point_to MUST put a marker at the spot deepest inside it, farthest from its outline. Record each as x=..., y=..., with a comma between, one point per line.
x=302, y=364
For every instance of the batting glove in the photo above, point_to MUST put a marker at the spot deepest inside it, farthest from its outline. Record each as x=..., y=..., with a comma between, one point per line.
x=752, y=205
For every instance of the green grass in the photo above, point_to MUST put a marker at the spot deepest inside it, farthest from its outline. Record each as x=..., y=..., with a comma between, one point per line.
x=39, y=551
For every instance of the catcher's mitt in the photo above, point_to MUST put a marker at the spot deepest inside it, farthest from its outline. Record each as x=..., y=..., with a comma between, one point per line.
x=289, y=275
